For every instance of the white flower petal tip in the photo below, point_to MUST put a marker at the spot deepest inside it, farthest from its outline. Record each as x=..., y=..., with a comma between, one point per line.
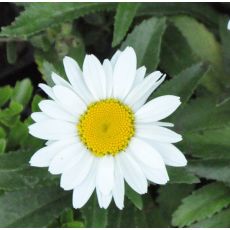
x=82, y=120
x=228, y=26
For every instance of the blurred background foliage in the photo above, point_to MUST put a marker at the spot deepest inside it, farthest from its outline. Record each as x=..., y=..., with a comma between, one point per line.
x=188, y=41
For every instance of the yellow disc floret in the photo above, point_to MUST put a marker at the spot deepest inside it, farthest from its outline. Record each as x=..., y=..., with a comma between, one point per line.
x=106, y=127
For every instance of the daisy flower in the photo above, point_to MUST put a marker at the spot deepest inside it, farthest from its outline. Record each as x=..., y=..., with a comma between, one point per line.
x=228, y=26
x=100, y=131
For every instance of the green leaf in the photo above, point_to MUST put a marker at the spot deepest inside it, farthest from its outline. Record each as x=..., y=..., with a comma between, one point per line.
x=146, y=41
x=214, y=169
x=167, y=205
x=35, y=103
x=181, y=176
x=208, y=144
x=205, y=46
x=181, y=8
x=15, y=173
x=175, y=46
x=185, y=83
x=225, y=38
x=134, y=197
x=32, y=207
x=124, y=16
x=73, y=224
x=93, y=215
x=193, y=116
x=51, y=14
x=22, y=92
x=5, y=94
x=220, y=220
x=11, y=52
x=201, y=204
x=2, y=145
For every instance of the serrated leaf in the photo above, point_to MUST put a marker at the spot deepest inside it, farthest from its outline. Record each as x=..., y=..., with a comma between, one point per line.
x=93, y=215
x=146, y=41
x=5, y=94
x=123, y=19
x=181, y=176
x=214, y=169
x=208, y=144
x=220, y=220
x=32, y=207
x=203, y=203
x=184, y=83
x=134, y=197
x=22, y=92
x=167, y=205
x=51, y=14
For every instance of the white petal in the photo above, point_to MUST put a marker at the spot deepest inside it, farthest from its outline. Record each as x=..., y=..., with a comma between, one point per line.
x=75, y=77
x=66, y=158
x=139, y=94
x=115, y=57
x=94, y=77
x=39, y=116
x=109, y=77
x=74, y=176
x=105, y=174
x=69, y=100
x=152, y=163
x=171, y=155
x=132, y=173
x=59, y=80
x=47, y=89
x=158, y=108
x=99, y=198
x=106, y=200
x=161, y=123
x=52, y=130
x=52, y=109
x=82, y=193
x=228, y=26
x=157, y=133
x=124, y=73
x=43, y=156
x=118, y=188
x=49, y=142
x=140, y=74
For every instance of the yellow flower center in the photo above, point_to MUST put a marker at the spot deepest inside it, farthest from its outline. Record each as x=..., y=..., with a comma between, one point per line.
x=106, y=127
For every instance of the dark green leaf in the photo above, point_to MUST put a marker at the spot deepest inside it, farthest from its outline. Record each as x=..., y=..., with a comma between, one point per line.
x=124, y=16
x=146, y=41
x=181, y=176
x=214, y=169
x=93, y=215
x=220, y=220
x=203, y=203
x=11, y=52
x=184, y=83
x=2, y=145
x=134, y=197
x=208, y=144
x=32, y=207
x=51, y=15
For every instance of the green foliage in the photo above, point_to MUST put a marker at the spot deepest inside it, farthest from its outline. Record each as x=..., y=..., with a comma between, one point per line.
x=186, y=41
x=201, y=204
x=123, y=19
x=146, y=40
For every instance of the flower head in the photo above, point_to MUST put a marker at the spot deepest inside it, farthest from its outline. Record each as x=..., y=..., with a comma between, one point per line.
x=100, y=131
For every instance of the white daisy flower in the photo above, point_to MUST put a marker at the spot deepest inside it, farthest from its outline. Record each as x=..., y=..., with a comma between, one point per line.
x=101, y=134
x=228, y=26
